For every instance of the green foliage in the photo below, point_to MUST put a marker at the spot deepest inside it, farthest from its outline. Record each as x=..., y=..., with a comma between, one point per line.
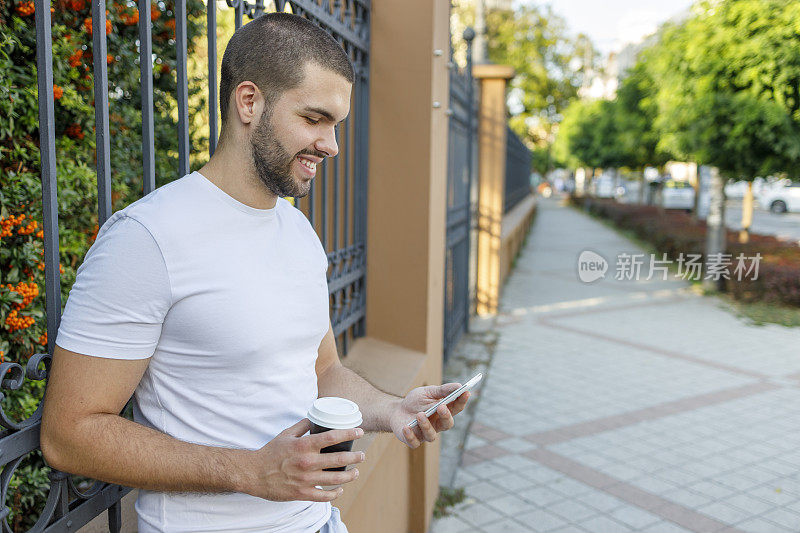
x=22, y=312
x=728, y=81
x=587, y=135
x=550, y=64
x=635, y=114
x=721, y=88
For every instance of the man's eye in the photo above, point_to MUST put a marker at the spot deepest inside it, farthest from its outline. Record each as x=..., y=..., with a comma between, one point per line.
x=312, y=121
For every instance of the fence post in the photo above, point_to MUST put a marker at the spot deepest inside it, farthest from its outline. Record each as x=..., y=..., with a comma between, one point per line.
x=491, y=180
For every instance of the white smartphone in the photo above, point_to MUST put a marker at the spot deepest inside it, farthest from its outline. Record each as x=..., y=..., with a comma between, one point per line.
x=450, y=397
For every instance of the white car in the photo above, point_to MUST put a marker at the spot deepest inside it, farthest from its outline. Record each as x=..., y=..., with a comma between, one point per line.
x=677, y=195
x=737, y=189
x=781, y=198
x=606, y=187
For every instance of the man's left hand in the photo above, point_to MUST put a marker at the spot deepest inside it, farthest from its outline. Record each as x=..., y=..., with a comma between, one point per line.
x=414, y=406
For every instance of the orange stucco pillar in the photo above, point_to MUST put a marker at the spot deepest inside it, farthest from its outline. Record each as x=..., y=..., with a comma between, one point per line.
x=406, y=209
x=491, y=181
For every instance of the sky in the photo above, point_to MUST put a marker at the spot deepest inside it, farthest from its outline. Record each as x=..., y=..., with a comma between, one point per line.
x=613, y=23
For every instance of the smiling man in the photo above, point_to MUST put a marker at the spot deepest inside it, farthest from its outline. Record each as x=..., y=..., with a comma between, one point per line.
x=207, y=301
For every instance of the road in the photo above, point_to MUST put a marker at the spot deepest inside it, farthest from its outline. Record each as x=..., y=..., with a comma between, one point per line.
x=784, y=226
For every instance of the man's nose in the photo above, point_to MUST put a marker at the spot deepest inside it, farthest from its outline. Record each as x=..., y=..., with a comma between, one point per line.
x=327, y=143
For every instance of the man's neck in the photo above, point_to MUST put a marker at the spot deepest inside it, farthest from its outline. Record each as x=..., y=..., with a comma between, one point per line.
x=231, y=171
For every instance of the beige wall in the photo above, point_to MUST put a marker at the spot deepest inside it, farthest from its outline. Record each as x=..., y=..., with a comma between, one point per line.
x=405, y=251
x=516, y=224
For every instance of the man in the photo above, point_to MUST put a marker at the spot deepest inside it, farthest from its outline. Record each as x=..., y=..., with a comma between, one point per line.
x=208, y=300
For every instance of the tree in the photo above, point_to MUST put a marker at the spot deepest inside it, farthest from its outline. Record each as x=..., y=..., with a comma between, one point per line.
x=550, y=64
x=588, y=135
x=729, y=87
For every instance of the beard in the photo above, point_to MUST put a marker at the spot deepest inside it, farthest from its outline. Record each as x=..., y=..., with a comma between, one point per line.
x=273, y=164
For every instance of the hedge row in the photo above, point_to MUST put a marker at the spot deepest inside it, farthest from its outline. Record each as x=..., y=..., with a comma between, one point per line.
x=675, y=233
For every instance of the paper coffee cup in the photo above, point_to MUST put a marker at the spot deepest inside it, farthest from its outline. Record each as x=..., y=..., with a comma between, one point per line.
x=334, y=413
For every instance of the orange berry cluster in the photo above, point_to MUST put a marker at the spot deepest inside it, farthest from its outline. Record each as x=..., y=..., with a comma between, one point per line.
x=87, y=24
x=75, y=58
x=25, y=8
x=58, y=92
x=77, y=5
x=29, y=228
x=16, y=323
x=130, y=19
x=28, y=291
x=42, y=339
x=7, y=225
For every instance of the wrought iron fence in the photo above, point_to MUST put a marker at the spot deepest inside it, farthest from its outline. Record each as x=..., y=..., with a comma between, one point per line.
x=518, y=171
x=461, y=168
x=336, y=208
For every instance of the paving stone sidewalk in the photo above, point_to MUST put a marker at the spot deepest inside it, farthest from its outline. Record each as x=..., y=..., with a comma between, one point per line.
x=621, y=405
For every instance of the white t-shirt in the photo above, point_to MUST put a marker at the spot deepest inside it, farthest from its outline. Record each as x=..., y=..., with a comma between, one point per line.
x=231, y=304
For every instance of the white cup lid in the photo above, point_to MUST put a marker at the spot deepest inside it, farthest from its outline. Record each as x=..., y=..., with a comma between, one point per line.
x=335, y=413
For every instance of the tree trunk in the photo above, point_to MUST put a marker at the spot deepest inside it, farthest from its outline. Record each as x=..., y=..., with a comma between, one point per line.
x=747, y=213
x=715, y=223
x=695, y=169
x=642, y=187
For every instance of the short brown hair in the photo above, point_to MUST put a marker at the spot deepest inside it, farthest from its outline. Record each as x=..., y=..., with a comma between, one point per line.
x=272, y=50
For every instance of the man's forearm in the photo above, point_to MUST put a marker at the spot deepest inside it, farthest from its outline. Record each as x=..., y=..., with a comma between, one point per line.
x=376, y=406
x=113, y=449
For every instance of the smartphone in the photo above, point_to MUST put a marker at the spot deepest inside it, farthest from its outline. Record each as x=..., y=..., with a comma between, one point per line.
x=450, y=397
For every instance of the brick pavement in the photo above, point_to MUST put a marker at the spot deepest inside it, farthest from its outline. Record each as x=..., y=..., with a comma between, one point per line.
x=621, y=405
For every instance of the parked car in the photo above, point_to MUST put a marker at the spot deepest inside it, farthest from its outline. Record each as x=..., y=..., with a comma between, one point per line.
x=781, y=198
x=606, y=186
x=736, y=189
x=676, y=195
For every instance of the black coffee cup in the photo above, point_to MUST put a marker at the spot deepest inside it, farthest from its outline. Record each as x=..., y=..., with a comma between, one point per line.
x=334, y=413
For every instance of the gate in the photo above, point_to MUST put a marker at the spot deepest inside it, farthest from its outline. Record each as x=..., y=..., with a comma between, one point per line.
x=460, y=170
x=336, y=207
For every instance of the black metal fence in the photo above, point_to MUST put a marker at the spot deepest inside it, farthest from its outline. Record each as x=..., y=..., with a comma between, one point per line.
x=461, y=169
x=518, y=171
x=336, y=207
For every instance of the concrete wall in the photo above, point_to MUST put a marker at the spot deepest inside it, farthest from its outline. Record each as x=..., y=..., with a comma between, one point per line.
x=516, y=224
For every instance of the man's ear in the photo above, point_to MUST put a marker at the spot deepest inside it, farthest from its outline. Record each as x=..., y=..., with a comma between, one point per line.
x=248, y=102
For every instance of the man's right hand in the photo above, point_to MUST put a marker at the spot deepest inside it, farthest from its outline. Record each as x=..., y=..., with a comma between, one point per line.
x=290, y=466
